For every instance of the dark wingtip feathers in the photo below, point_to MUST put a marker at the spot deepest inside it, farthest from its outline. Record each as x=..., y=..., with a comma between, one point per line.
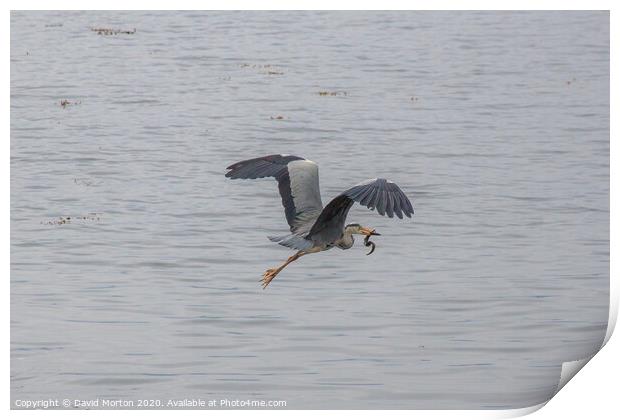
x=266, y=166
x=383, y=196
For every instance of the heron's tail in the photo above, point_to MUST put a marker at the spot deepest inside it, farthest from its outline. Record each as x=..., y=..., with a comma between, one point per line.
x=292, y=241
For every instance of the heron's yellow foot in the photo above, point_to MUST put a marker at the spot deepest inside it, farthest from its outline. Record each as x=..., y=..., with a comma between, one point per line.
x=269, y=275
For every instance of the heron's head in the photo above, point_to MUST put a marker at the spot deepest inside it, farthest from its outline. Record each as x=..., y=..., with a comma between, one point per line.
x=356, y=228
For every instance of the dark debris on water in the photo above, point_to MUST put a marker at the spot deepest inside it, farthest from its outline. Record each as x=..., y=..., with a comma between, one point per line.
x=109, y=31
x=65, y=103
x=268, y=69
x=90, y=217
x=332, y=93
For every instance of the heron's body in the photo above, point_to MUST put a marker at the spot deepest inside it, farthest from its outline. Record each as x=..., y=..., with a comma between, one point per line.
x=315, y=228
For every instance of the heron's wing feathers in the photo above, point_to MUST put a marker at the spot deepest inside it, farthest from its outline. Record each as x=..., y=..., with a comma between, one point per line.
x=380, y=194
x=293, y=240
x=330, y=223
x=306, y=193
x=383, y=195
x=298, y=182
x=261, y=167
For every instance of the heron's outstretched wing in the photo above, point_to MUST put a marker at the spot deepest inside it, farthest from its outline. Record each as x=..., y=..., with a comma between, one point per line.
x=380, y=194
x=298, y=182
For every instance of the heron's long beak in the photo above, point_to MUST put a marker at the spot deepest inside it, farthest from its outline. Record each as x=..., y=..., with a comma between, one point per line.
x=369, y=232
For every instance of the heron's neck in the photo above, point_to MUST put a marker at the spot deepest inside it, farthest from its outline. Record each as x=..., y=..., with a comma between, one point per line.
x=347, y=239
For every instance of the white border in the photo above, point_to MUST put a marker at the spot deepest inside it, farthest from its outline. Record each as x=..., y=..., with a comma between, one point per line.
x=593, y=392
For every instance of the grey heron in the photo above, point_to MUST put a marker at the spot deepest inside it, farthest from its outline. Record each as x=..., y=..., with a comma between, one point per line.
x=315, y=228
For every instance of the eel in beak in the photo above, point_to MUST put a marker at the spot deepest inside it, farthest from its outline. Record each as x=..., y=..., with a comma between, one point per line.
x=369, y=232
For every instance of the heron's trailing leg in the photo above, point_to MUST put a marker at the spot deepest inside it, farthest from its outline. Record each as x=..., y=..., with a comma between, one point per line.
x=271, y=273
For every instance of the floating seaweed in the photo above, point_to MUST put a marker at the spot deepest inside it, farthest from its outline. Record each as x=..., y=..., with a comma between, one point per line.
x=65, y=103
x=332, y=93
x=256, y=66
x=59, y=221
x=85, y=182
x=109, y=31
x=91, y=217
x=268, y=69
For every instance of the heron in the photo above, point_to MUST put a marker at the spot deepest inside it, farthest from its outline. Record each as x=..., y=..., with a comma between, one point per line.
x=315, y=228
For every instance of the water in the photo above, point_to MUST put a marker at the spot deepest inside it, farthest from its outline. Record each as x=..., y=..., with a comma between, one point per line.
x=495, y=124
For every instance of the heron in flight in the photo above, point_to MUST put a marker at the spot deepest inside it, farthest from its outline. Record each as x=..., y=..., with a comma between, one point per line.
x=315, y=228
